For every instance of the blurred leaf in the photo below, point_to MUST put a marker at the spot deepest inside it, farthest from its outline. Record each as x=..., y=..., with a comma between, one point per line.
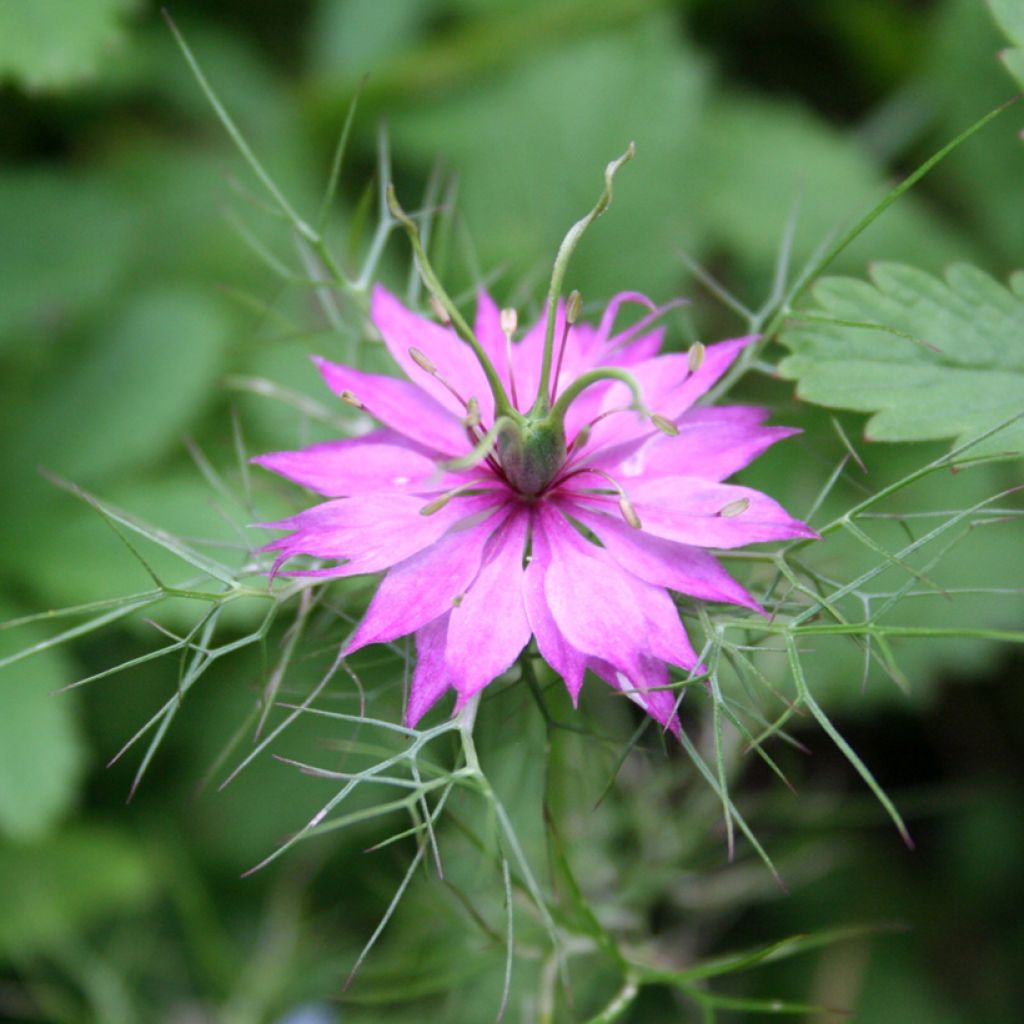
x=143, y=381
x=530, y=146
x=763, y=161
x=973, y=382
x=40, y=749
x=353, y=37
x=1009, y=15
x=55, y=889
x=67, y=238
x=53, y=44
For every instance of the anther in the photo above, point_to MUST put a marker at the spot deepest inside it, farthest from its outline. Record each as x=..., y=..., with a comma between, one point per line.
x=349, y=399
x=472, y=413
x=626, y=507
x=439, y=311
x=425, y=364
x=509, y=322
x=572, y=311
x=422, y=361
x=666, y=426
x=573, y=307
x=734, y=508
x=442, y=499
x=695, y=357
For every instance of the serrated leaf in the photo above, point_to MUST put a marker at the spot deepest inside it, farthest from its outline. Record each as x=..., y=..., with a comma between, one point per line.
x=53, y=890
x=964, y=376
x=40, y=748
x=53, y=44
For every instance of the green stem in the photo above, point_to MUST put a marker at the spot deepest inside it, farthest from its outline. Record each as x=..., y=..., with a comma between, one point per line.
x=565, y=251
x=581, y=383
x=502, y=404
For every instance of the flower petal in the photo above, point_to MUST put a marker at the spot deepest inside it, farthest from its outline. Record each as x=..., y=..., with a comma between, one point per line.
x=358, y=465
x=647, y=690
x=689, y=510
x=423, y=587
x=555, y=649
x=430, y=678
x=699, y=450
x=664, y=563
x=489, y=628
x=372, y=531
x=400, y=405
x=602, y=610
x=454, y=360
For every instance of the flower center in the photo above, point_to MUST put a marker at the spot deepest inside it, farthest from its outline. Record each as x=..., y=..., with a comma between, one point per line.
x=531, y=453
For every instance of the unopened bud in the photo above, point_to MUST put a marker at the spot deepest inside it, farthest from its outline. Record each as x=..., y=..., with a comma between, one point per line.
x=629, y=513
x=349, y=399
x=472, y=413
x=439, y=311
x=422, y=361
x=509, y=321
x=573, y=307
x=734, y=508
x=666, y=426
x=695, y=357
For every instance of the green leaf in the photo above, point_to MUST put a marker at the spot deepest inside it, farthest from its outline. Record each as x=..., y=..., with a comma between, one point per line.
x=1009, y=15
x=764, y=160
x=963, y=376
x=40, y=749
x=53, y=44
x=67, y=239
x=58, y=888
x=126, y=400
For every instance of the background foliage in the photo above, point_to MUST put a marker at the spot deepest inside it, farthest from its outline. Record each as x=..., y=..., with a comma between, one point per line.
x=134, y=314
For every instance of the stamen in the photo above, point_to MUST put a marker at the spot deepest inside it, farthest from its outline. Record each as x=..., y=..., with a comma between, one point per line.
x=666, y=426
x=572, y=312
x=626, y=506
x=422, y=361
x=472, y=413
x=509, y=323
x=441, y=500
x=734, y=508
x=350, y=399
x=425, y=364
x=439, y=311
x=695, y=357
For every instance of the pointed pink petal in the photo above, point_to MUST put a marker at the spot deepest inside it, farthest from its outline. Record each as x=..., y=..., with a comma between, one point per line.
x=712, y=453
x=402, y=330
x=373, y=531
x=488, y=628
x=430, y=679
x=663, y=563
x=358, y=465
x=688, y=510
x=568, y=662
x=423, y=587
x=646, y=690
x=400, y=405
x=602, y=610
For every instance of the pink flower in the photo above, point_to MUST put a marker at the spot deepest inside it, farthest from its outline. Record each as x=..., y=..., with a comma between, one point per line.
x=509, y=495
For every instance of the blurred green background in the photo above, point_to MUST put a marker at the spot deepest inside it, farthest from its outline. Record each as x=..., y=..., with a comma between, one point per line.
x=133, y=298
